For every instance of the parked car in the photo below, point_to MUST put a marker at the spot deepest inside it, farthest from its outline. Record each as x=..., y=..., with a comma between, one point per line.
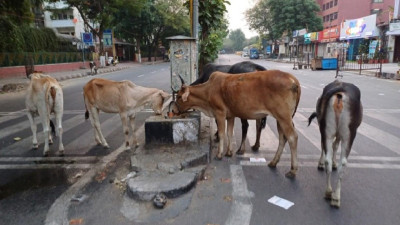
x=245, y=54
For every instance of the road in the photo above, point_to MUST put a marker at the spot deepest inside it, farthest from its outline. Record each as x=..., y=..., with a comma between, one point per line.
x=237, y=190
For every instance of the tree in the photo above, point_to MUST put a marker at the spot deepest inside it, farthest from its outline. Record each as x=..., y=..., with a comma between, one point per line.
x=291, y=15
x=238, y=39
x=96, y=14
x=213, y=29
x=273, y=18
x=259, y=18
x=156, y=20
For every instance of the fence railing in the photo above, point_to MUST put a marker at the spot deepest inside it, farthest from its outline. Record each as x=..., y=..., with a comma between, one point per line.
x=40, y=58
x=358, y=63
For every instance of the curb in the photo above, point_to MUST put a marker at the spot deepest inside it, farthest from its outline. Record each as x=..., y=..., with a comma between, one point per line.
x=172, y=169
x=19, y=86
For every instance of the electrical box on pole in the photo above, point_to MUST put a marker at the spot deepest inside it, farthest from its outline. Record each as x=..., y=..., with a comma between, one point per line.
x=183, y=55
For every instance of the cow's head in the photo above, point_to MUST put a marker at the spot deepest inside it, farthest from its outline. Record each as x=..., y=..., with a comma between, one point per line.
x=182, y=103
x=157, y=101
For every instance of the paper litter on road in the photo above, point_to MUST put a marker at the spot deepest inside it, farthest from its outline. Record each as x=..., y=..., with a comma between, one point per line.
x=281, y=202
x=257, y=160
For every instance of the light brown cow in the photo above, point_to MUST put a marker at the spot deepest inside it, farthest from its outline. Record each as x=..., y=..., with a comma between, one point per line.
x=45, y=96
x=247, y=96
x=125, y=98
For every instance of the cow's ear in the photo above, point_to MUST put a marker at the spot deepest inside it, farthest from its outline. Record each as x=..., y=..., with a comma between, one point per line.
x=164, y=94
x=185, y=94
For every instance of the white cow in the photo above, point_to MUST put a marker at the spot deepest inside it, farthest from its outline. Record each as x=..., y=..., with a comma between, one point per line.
x=339, y=113
x=125, y=98
x=45, y=96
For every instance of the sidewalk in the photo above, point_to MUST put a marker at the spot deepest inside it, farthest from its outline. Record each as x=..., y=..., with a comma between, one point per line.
x=389, y=70
x=18, y=84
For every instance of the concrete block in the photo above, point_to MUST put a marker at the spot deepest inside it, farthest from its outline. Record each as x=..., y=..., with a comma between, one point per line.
x=160, y=130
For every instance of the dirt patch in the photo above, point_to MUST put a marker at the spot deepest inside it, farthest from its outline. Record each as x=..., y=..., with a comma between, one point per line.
x=14, y=87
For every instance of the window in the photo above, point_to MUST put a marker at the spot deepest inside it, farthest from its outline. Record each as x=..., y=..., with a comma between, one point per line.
x=335, y=16
x=375, y=11
x=323, y=7
x=336, y=2
x=71, y=17
x=327, y=6
x=377, y=1
x=331, y=4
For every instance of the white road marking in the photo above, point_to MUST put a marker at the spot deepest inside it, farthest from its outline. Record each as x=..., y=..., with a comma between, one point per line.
x=67, y=159
x=387, y=118
x=386, y=139
x=242, y=207
x=58, y=212
x=26, y=143
x=89, y=135
x=314, y=164
x=44, y=166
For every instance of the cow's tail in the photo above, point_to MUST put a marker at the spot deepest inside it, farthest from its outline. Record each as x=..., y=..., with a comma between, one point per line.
x=313, y=115
x=297, y=91
x=87, y=111
x=51, y=96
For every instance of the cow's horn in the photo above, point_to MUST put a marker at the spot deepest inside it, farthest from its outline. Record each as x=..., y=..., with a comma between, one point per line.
x=183, y=82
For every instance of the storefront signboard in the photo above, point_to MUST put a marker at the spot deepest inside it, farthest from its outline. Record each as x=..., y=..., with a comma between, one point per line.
x=364, y=27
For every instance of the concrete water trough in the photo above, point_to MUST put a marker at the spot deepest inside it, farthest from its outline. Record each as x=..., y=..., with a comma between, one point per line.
x=184, y=129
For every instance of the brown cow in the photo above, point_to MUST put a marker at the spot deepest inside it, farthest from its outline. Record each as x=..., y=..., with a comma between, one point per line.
x=45, y=96
x=125, y=98
x=247, y=96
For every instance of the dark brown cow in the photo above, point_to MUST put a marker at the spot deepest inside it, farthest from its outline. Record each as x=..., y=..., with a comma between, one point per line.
x=339, y=113
x=247, y=96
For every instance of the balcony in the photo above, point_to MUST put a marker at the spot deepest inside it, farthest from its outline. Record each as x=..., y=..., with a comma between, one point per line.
x=60, y=23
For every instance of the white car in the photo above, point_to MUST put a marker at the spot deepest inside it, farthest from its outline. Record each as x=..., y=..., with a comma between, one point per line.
x=245, y=54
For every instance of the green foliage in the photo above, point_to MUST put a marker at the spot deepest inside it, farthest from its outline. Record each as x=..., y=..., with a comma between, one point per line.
x=363, y=48
x=238, y=39
x=284, y=16
x=213, y=29
x=17, y=12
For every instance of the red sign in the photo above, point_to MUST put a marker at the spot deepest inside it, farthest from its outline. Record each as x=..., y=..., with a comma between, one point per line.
x=330, y=34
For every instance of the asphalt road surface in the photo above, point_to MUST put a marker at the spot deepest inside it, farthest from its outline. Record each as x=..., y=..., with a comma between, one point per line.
x=237, y=190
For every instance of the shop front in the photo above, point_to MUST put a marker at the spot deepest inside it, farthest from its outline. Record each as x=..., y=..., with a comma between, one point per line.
x=360, y=34
x=394, y=41
x=329, y=42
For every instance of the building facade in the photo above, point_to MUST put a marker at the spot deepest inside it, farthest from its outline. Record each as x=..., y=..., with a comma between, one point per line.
x=64, y=20
x=335, y=13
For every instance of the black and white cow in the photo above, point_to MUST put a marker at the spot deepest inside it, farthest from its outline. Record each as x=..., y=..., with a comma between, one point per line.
x=241, y=67
x=339, y=113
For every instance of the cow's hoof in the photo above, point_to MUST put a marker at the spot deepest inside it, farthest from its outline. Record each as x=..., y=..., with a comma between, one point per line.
x=228, y=154
x=45, y=154
x=335, y=203
x=255, y=148
x=290, y=175
x=328, y=195
x=239, y=152
x=61, y=153
x=272, y=165
x=35, y=146
x=106, y=146
x=218, y=157
x=321, y=167
x=334, y=166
